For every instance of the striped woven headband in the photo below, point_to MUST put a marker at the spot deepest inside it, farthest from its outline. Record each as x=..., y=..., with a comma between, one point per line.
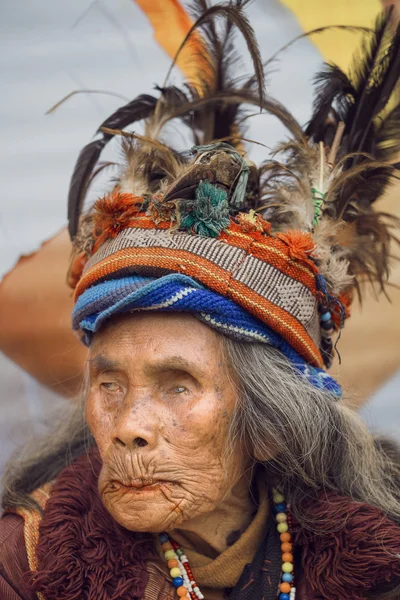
x=257, y=271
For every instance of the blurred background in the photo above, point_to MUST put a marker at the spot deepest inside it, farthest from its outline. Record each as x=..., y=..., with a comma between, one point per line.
x=109, y=51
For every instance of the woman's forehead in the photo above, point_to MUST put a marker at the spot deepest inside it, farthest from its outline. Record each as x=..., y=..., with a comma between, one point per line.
x=151, y=364
x=160, y=340
x=146, y=327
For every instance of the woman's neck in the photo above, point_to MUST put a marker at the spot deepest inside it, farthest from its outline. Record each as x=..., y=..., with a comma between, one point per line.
x=211, y=533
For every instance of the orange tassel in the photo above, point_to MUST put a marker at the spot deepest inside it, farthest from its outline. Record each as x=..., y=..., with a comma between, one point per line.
x=300, y=244
x=113, y=213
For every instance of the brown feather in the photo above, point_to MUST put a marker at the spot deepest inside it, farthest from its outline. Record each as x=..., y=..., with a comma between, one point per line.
x=138, y=109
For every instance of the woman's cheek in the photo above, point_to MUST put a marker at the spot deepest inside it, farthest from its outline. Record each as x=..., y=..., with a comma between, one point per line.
x=99, y=421
x=205, y=424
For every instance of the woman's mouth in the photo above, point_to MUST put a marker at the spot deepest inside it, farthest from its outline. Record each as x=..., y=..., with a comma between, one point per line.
x=139, y=485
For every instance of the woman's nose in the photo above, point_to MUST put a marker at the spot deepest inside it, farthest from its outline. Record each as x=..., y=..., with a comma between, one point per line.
x=135, y=427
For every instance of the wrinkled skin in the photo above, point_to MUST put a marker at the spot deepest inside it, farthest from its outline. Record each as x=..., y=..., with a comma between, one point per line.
x=159, y=405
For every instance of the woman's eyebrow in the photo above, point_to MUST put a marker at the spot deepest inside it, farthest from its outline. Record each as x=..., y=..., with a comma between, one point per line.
x=102, y=363
x=178, y=363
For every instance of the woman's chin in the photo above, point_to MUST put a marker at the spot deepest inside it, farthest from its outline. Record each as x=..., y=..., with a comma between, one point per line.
x=143, y=509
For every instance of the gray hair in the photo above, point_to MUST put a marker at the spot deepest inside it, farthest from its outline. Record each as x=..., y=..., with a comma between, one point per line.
x=306, y=439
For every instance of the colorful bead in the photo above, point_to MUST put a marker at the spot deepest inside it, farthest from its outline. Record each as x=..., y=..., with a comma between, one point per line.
x=177, y=582
x=173, y=563
x=175, y=572
x=281, y=517
x=285, y=588
x=287, y=567
x=164, y=538
x=285, y=537
x=169, y=554
x=287, y=577
x=287, y=557
x=166, y=546
x=327, y=326
x=286, y=547
x=282, y=527
x=280, y=507
x=277, y=497
x=284, y=597
x=326, y=316
x=182, y=591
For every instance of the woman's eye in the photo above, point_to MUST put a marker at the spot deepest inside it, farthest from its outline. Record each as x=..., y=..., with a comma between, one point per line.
x=110, y=386
x=179, y=390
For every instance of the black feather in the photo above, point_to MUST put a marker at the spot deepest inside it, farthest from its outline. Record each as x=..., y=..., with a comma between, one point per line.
x=375, y=74
x=84, y=167
x=218, y=68
x=136, y=110
x=388, y=136
x=334, y=91
x=140, y=108
x=208, y=120
x=358, y=98
x=174, y=98
x=360, y=101
x=377, y=77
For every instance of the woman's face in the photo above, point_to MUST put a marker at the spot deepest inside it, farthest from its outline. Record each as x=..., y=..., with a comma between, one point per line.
x=159, y=405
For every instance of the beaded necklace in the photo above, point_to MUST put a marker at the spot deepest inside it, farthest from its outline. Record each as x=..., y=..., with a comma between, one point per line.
x=282, y=517
x=182, y=576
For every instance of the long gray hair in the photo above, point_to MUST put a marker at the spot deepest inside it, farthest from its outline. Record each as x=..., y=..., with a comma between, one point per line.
x=306, y=440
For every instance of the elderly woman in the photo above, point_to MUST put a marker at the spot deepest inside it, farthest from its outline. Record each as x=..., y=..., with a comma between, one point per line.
x=215, y=459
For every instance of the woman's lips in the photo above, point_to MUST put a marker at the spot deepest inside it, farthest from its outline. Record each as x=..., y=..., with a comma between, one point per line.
x=137, y=485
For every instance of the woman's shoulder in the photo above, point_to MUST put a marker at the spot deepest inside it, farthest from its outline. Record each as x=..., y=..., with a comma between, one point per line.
x=13, y=559
x=352, y=545
x=19, y=534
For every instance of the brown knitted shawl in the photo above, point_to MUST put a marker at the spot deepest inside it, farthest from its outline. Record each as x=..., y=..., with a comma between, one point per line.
x=83, y=553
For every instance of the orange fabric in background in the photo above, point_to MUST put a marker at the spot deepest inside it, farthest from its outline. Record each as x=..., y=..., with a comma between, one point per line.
x=171, y=24
x=35, y=318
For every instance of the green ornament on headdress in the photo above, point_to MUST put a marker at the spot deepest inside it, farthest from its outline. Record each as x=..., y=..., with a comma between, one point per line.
x=208, y=214
x=318, y=200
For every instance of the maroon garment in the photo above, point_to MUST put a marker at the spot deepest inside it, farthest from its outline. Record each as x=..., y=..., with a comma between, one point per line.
x=13, y=560
x=14, y=563
x=85, y=555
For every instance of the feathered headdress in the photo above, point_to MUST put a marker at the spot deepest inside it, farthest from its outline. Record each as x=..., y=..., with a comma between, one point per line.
x=281, y=247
